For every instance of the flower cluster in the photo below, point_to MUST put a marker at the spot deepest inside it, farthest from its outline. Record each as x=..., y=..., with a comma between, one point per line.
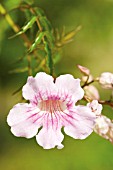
x=103, y=125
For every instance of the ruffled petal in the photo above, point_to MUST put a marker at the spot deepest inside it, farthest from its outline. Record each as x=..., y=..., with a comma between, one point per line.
x=80, y=123
x=38, y=88
x=49, y=138
x=24, y=120
x=69, y=86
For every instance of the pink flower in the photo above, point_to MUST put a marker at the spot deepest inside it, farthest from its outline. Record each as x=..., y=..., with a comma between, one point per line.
x=95, y=107
x=52, y=106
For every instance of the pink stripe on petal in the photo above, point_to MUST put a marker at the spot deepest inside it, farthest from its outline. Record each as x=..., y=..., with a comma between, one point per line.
x=19, y=113
x=49, y=138
x=25, y=129
x=36, y=87
x=70, y=85
x=83, y=121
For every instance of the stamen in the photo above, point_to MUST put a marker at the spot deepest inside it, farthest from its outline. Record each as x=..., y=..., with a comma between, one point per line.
x=52, y=106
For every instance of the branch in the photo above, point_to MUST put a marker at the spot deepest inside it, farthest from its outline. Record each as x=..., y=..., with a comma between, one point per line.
x=16, y=29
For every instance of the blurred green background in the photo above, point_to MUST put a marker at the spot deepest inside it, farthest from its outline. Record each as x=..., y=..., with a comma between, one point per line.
x=92, y=47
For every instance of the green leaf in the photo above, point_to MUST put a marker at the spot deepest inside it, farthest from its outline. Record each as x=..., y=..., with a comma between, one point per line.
x=50, y=39
x=39, y=12
x=26, y=27
x=30, y=2
x=57, y=57
x=49, y=55
x=69, y=36
x=37, y=41
x=19, y=70
x=66, y=38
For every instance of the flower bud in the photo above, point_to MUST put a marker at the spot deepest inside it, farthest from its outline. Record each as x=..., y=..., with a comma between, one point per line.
x=84, y=70
x=106, y=80
x=92, y=92
x=102, y=125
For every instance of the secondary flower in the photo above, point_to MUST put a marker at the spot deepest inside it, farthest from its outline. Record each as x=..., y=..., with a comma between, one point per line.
x=95, y=107
x=103, y=125
x=106, y=80
x=52, y=106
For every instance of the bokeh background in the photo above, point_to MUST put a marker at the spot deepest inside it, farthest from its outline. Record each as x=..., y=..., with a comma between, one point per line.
x=92, y=47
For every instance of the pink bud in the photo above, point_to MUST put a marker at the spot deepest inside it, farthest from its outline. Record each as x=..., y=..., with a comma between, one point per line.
x=84, y=70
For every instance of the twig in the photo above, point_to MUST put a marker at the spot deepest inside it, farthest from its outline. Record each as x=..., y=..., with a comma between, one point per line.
x=87, y=83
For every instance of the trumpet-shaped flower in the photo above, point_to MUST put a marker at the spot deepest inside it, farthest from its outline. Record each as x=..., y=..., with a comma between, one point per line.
x=51, y=107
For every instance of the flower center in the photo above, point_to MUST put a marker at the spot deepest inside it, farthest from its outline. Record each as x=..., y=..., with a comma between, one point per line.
x=52, y=106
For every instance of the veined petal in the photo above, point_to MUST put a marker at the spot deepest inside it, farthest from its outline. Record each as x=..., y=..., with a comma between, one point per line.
x=81, y=124
x=20, y=112
x=68, y=85
x=50, y=135
x=24, y=120
x=49, y=138
x=25, y=129
x=38, y=88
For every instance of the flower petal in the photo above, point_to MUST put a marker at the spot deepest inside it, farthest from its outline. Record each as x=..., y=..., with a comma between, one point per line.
x=20, y=112
x=25, y=129
x=49, y=138
x=38, y=88
x=17, y=113
x=81, y=124
x=68, y=85
x=50, y=135
x=24, y=120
